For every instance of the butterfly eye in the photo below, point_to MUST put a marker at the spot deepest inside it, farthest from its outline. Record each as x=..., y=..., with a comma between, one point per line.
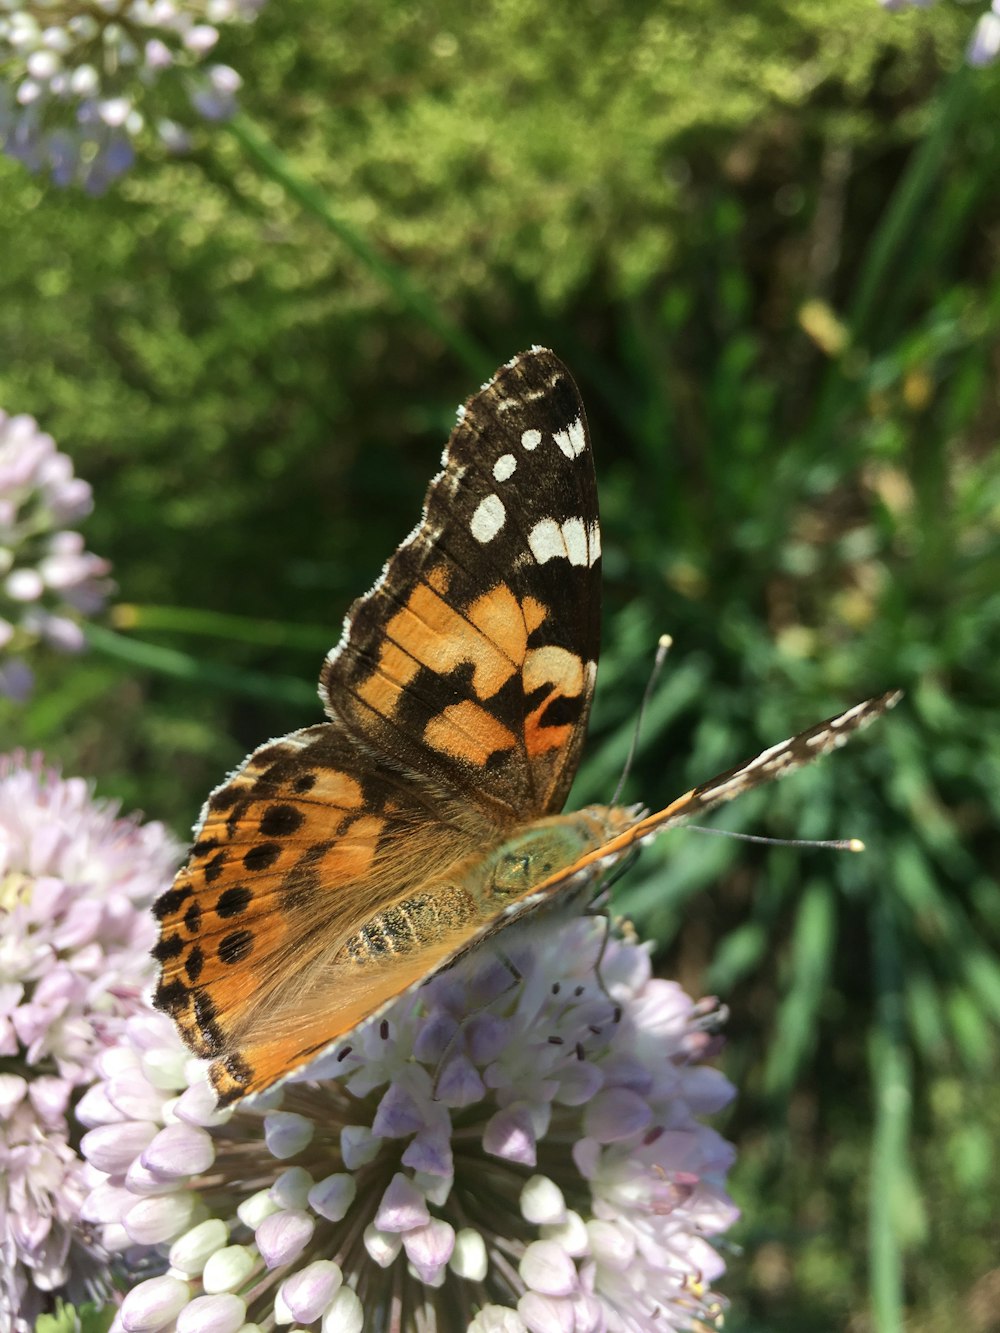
x=517, y=872
x=514, y=872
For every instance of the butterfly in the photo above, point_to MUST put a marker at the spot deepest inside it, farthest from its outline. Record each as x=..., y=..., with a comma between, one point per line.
x=341, y=865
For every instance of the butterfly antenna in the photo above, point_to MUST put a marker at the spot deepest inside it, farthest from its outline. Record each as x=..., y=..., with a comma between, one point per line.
x=663, y=646
x=831, y=844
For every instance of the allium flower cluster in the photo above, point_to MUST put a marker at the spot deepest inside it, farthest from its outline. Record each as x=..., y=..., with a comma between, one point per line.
x=47, y=579
x=75, y=884
x=81, y=79
x=984, y=44
x=491, y=1155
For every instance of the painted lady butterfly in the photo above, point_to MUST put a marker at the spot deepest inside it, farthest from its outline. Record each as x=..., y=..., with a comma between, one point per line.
x=342, y=864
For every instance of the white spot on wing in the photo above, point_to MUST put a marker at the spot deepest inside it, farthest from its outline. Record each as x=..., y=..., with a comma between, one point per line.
x=531, y=439
x=546, y=541
x=572, y=440
x=571, y=540
x=849, y=716
x=733, y=785
x=575, y=540
x=488, y=519
x=504, y=467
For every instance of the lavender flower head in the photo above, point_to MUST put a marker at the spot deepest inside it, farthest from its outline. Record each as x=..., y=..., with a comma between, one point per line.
x=47, y=579
x=75, y=885
x=80, y=81
x=489, y=1155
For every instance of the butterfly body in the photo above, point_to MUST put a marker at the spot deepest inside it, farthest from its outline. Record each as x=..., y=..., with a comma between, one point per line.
x=483, y=890
x=342, y=864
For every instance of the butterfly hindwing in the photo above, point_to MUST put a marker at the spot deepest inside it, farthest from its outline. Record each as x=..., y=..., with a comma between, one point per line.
x=474, y=656
x=266, y=937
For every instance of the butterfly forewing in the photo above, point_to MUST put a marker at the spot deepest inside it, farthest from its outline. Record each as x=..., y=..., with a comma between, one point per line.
x=474, y=656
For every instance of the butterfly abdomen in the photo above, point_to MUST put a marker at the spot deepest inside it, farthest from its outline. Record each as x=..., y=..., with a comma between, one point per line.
x=410, y=925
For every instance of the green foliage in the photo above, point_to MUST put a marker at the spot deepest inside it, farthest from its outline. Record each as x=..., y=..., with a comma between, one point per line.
x=86, y=1318
x=766, y=243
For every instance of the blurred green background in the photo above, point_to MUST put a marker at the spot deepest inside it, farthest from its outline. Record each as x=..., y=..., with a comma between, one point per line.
x=766, y=243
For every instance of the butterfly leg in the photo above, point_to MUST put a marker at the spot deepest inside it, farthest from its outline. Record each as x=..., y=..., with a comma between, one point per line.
x=616, y=1009
x=598, y=906
x=511, y=967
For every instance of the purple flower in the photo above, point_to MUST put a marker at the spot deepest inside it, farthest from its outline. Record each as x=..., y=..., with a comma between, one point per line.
x=984, y=44
x=531, y=1153
x=81, y=82
x=47, y=579
x=75, y=885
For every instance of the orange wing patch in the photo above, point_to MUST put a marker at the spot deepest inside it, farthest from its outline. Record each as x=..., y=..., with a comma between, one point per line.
x=467, y=732
x=491, y=636
x=296, y=1035
x=563, y=676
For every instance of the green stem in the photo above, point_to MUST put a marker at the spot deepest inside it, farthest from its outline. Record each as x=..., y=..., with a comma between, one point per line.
x=814, y=946
x=480, y=362
x=170, y=662
x=893, y=1094
x=222, y=625
x=902, y=216
x=888, y=246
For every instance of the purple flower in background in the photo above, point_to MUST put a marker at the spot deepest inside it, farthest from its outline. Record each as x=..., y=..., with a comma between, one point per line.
x=81, y=81
x=984, y=45
x=47, y=580
x=76, y=882
x=493, y=1155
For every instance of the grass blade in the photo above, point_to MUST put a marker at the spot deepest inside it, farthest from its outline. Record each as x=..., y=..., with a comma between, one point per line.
x=182, y=666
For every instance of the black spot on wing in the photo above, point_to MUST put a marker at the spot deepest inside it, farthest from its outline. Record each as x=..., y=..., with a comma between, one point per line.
x=233, y=948
x=170, y=902
x=167, y=947
x=232, y=902
x=281, y=821
x=194, y=963
x=261, y=857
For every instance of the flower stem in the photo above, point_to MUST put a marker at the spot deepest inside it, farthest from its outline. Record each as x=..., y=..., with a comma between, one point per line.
x=892, y=1085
